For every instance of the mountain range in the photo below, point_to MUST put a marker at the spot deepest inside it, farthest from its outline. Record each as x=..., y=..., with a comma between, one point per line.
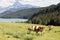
x=18, y=10
x=25, y=13
x=16, y=6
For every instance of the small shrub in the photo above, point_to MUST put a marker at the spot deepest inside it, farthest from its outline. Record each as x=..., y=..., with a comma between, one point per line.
x=16, y=36
x=8, y=33
x=8, y=37
x=28, y=32
x=28, y=38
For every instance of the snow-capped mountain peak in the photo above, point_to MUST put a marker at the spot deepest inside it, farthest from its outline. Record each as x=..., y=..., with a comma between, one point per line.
x=24, y=4
x=13, y=5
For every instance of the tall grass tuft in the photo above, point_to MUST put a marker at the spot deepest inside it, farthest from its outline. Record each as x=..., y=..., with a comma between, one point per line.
x=28, y=38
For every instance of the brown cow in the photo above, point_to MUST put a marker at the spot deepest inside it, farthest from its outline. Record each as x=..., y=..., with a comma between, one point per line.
x=50, y=27
x=37, y=29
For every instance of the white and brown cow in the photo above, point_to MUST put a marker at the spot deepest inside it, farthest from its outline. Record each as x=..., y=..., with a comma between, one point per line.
x=50, y=27
x=37, y=29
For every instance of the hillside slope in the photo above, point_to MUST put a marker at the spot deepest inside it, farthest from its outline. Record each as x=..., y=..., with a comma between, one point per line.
x=47, y=15
x=26, y=13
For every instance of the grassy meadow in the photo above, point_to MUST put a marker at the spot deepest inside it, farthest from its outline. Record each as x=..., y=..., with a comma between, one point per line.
x=18, y=31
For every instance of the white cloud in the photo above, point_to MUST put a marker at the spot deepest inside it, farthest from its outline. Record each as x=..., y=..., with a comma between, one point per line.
x=6, y=3
x=40, y=2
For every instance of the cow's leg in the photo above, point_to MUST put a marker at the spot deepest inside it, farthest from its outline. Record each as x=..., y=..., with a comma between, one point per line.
x=29, y=31
x=42, y=33
x=50, y=30
x=37, y=33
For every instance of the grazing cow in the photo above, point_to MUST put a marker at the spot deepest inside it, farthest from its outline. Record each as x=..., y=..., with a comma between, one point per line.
x=37, y=29
x=50, y=27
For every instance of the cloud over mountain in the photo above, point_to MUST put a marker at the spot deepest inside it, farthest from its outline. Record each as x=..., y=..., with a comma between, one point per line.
x=23, y=4
x=6, y=3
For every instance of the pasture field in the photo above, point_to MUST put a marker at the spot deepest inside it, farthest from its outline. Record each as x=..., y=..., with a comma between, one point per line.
x=18, y=31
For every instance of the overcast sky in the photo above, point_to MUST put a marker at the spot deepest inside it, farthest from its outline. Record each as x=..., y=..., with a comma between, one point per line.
x=41, y=3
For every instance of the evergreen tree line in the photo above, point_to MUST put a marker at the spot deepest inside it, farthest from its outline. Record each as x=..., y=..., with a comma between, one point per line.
x=47, y=16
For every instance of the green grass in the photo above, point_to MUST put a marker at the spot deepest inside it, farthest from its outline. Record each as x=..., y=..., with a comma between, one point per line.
x=18, y=31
